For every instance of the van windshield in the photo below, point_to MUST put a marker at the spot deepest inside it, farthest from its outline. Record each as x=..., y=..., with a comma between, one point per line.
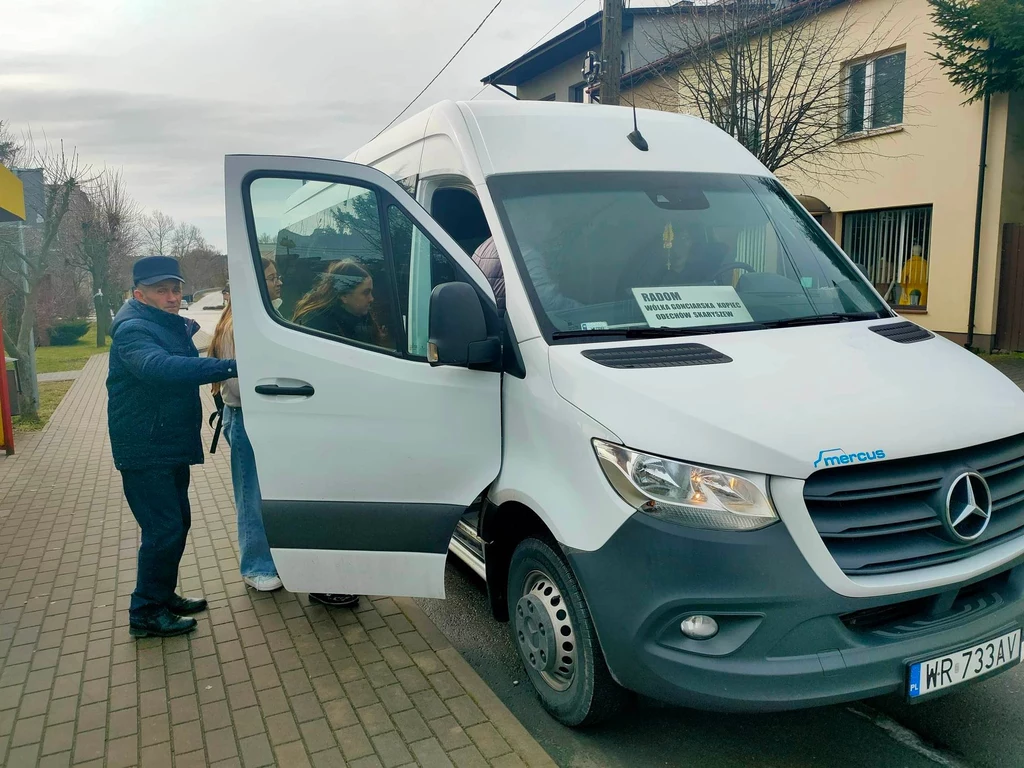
x=663, y=254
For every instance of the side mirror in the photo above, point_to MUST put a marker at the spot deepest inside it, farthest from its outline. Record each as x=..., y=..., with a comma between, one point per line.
x=458, y=329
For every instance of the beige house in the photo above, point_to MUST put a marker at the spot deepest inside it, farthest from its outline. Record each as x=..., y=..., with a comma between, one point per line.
x=907, y=213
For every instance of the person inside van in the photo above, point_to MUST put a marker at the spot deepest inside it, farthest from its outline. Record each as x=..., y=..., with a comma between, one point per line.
x=339, y=304
x=486, y=258
x=274, y=283
x=257, y=564
x=694, y=259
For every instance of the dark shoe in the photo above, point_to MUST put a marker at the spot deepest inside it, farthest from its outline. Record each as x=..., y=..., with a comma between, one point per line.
x=161, y=623
x=335, y=601
x=186, y=606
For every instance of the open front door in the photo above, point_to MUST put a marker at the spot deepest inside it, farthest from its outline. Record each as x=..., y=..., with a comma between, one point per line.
x=367, y=454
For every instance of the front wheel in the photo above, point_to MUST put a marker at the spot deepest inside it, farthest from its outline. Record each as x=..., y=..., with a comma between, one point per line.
x=554, y=634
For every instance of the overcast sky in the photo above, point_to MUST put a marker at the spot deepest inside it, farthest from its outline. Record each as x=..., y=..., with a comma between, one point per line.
x=165, y=88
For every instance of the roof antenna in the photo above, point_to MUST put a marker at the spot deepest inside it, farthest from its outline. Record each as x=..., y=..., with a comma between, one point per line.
x=635, y=137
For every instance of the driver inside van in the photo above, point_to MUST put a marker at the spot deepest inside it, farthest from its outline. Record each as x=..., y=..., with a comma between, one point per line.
x=693, y=259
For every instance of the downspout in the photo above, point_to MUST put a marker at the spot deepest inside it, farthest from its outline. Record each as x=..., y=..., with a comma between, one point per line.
x=977, y=220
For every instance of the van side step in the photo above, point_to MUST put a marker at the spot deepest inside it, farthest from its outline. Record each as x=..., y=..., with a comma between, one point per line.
x=469, y=548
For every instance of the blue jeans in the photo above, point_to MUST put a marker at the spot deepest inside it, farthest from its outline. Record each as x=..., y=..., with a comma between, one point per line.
x=158, y=499
x=252, y=537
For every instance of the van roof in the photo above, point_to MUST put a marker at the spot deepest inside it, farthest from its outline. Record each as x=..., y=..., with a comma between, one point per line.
x=531, y=136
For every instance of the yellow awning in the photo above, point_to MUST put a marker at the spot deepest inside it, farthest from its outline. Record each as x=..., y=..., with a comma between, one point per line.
x=12, y=197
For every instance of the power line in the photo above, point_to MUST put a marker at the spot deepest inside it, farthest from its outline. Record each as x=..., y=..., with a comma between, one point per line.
x=539, y=39
x=440, y=71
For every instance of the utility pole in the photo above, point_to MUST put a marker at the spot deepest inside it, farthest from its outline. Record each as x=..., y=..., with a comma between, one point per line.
x=611, y=51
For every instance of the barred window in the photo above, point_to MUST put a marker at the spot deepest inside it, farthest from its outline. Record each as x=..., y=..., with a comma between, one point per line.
x=892, y=247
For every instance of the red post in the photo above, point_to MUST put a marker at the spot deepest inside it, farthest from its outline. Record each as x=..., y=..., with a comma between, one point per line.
x=5, y=397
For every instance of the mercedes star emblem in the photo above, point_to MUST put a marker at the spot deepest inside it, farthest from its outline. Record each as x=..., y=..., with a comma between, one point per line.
x=968, y=507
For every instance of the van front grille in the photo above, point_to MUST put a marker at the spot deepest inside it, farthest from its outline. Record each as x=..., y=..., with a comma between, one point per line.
x=886, y=517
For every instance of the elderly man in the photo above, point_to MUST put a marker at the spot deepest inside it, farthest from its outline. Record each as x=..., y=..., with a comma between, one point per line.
x=154, y=416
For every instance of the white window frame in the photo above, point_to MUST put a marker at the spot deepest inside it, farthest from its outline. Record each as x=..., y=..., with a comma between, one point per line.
x=869, y=95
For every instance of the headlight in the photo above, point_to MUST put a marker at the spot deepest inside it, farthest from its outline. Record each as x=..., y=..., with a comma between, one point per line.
x=684, y=493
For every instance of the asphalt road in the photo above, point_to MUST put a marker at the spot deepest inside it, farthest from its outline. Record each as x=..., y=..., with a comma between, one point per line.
x=981, y=726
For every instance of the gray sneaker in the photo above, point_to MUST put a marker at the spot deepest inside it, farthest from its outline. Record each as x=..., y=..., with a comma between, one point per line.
x=263, y=583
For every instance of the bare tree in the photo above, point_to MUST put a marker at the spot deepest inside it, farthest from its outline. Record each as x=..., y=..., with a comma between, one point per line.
x=775, y=76
x=186, y=238
x=203, y=267
x=109, y=240
x=27, y=254
x=13, y=150
x=157, y=231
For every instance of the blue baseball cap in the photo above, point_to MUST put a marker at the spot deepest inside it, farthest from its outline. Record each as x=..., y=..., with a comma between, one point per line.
x=154, y=269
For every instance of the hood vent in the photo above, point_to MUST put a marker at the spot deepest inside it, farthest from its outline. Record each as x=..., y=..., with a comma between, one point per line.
x=664, y=356
x=903, y=333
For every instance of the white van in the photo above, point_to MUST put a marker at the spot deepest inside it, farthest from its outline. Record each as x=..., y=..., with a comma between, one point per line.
x=696, y=456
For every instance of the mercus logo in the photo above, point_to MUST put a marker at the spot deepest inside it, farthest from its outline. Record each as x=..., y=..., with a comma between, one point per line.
x=834, y=457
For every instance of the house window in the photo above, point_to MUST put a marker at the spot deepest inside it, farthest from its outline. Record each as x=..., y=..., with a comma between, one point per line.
x=892, y=248
x=874, y=93
x=577, y=92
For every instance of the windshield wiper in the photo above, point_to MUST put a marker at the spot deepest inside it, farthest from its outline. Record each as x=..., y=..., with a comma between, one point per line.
x=832, y=317
x=655, y=333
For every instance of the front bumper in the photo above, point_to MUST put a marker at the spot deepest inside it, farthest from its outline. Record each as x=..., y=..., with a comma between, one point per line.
x=786, y=640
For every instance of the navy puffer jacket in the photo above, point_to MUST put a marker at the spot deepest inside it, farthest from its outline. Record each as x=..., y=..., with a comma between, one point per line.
x=154, y=412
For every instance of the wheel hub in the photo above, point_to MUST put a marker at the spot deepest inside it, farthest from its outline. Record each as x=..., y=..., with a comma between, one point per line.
x=545, y=633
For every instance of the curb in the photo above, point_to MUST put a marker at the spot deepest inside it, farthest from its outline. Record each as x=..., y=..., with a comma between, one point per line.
x=507, y=724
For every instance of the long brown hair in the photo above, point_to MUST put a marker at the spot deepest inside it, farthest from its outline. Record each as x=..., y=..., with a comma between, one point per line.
x=331, y=286
x=225, y=329
x=327, y=290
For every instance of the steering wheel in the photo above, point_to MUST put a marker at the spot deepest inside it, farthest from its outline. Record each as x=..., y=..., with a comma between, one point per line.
x=730, y=267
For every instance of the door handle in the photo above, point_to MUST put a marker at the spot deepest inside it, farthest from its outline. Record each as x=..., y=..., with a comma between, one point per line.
x=305, y=390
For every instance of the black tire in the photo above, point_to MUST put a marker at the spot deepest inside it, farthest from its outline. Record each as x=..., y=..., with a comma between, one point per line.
x=590, y=695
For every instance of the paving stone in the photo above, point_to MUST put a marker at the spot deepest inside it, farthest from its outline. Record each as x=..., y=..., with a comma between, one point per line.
x=27, y=730
x=123, y=752
x=411, y=725
x=511, y=760
x=220, y=744
x=90, y=745
x=282, y=728
x=317, y=735
x=155, y=730
x=58, y=738
x=430, y=754
x=187, y=737
x=450, y=733
x=354, y=742
x=488, y=740
x=391, y=749
x=429, y=705
x=293, y=754
x=329, y=758
x=468, y=757
x=256, y=751
x=340, y=714
x=375, y=719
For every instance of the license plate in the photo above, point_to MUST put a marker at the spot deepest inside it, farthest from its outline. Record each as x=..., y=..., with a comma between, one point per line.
x=963, y=665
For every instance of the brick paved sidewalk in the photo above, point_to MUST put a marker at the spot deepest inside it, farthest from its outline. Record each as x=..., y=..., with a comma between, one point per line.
x=266, y=680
